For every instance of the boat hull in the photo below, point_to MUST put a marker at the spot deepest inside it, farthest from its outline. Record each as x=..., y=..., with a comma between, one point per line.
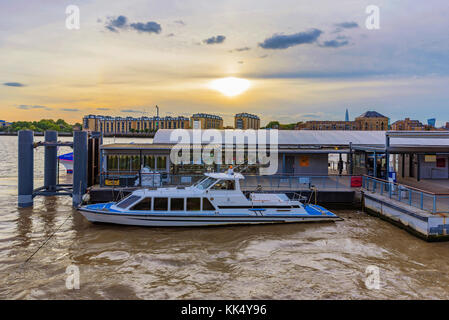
x=149, y=220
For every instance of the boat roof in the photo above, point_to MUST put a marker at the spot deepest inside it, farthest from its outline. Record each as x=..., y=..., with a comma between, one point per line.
x=225, y=176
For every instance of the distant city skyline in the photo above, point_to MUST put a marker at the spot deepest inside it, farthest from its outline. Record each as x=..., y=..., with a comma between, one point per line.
x=292, y=60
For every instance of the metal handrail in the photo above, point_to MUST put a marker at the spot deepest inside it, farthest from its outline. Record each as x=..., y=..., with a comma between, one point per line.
x=405, y=192
x=409, y=187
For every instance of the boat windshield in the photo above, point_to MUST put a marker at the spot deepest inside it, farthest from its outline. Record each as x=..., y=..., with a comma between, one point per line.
x=205, y=183
x=126, y=202
x=199, y=181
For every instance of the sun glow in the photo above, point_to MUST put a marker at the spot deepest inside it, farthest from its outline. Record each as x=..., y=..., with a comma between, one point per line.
x=230, y=86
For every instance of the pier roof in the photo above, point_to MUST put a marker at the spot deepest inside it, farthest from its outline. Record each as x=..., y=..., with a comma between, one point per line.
x=315, y=141
x=301, y=137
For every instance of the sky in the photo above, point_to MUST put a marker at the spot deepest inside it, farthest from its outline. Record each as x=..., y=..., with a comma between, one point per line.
x=305, y=60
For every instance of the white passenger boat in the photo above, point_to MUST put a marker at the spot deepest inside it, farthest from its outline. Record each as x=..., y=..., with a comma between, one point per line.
x=213, y=201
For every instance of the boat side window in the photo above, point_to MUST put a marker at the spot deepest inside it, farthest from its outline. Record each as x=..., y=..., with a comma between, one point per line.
x=207, y=205
x=125, y=203
x=220, y=185
x=177, y=204
x=230, y=185
x=144, y=204
x=160, y=204
x=224, y=185
x=199, y=182
x=193, y=204
x=206, y=183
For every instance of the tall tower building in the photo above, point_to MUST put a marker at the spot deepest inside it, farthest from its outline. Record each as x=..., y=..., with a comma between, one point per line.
x=347, y=115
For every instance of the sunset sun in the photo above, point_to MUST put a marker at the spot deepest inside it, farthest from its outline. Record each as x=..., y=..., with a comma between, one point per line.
x=230, y=86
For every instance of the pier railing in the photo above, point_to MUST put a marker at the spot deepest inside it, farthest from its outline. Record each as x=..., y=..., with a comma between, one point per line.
x=296, y=182
x=422, y=199
x=282, y=182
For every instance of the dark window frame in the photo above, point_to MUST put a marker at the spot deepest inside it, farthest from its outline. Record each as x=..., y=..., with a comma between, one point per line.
x=148, y=205
x=183, y=204
x=206, y=200
x=193, y=198
x=154, y=204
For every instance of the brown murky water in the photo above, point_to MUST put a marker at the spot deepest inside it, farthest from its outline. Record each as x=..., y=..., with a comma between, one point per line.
x=299, y=261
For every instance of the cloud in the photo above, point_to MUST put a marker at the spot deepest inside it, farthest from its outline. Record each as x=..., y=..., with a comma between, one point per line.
x=281, y=41
x=170, y=35
x=241, y=49
x=180, y=22
x=347, y=25
x=240, y=62
x=263, y=56
x=114, y=24
x=214, y=40
x=334, y=44
x=149, y=27
x=312, y=115
x=119, y=22
x=317, y=74
x=103, y=109
x=70, y=109
x=28, y=107
x=131, y=111
x=14, y=84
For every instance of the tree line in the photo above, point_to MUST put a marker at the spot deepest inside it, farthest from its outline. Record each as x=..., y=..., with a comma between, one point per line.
x=40, y=126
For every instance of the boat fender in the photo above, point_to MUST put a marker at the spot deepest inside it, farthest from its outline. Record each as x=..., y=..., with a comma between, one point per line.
x=86, y=198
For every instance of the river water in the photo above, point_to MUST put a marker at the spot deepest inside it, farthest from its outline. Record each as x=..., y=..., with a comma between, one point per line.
x=296, y=261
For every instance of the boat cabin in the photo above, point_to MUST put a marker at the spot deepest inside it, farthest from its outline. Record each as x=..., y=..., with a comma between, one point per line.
x=215, y=189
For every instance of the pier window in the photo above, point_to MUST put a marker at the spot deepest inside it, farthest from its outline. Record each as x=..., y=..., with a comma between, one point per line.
x=112, y=163
x=177, y=204
x=160, y=204
x=161, y=163
x=149, y=161
x=144, y=204
x=207, y=205
x=193, y=204
x=135, y=163
x=124, y=163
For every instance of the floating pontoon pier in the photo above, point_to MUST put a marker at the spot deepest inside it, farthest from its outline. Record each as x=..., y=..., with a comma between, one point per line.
x=112, y=171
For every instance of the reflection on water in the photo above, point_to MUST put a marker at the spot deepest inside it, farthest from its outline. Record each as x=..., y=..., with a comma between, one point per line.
x=298, y=261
